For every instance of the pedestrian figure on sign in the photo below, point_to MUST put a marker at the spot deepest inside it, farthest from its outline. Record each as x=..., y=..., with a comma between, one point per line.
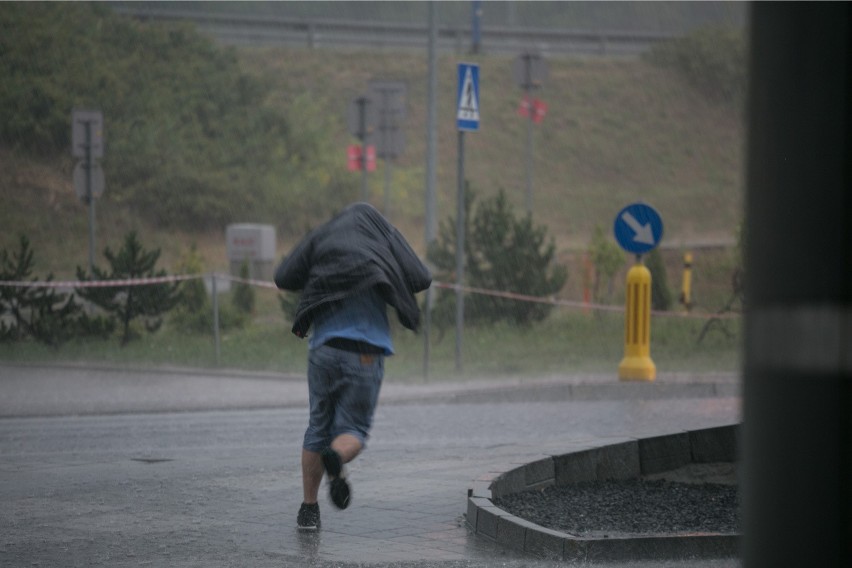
x=348, y=270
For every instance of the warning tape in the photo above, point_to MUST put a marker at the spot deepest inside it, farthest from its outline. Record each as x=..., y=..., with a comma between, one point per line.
x=97, y=283
x=573, y=304
x=271, y=285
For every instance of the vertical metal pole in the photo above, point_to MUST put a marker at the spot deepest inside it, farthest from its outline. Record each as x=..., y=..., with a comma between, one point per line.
x=388, y=165
x=460, y=255
x=476, y=20
x=528, y=94
x=215, y=317
x=362, y=130
x=431, y=126
x=529, y=199
x=90, y=198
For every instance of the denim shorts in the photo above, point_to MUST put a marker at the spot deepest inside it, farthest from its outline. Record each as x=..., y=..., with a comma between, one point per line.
x=343, y=389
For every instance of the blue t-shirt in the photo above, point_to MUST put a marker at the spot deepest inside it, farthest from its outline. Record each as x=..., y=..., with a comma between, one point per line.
x=360, y=317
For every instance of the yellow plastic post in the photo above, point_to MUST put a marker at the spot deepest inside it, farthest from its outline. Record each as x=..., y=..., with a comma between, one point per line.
x=637, y=364
x=686, y=286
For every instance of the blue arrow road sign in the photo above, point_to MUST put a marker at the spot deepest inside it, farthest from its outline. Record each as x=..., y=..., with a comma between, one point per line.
x=638, y=228
x=467, y=110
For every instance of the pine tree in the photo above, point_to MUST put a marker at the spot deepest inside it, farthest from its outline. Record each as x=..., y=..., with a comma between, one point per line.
x=503, y=253
x=43, y=313
x=128, y=302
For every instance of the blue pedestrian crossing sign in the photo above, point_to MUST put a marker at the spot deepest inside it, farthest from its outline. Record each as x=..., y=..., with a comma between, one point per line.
x=467, y=110
x=638, y=228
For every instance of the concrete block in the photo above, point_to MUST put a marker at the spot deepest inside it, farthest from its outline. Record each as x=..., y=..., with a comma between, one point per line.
x=510, y=482
x=545, y=543
x=664, y=453
x=481, y=489
x=720, y=444
x=486, y=521
x=539, y=471
x=576, y=550
x=616, y=461
x=470, y=517
x=511, y=532
x=576, y=467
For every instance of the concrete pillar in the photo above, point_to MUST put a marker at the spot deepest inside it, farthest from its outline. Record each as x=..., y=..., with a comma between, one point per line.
x=797, y=443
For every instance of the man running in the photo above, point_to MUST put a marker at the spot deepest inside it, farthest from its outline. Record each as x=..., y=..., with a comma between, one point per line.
x=348, y=270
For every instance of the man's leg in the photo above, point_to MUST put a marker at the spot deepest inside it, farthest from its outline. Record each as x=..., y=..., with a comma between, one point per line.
x=316, y=436
x=347, y=447
x=312, y=472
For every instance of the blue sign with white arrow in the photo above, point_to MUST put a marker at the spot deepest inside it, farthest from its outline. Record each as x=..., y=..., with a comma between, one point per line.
x=638, y=228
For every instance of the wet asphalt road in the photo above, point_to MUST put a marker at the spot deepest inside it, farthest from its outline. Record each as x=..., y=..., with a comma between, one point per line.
x=221, y=487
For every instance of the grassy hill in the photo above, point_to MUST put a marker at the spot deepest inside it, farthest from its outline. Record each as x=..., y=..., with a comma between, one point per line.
x=615, y=132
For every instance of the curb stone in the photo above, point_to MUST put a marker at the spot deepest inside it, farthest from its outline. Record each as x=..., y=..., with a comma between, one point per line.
x=622, y=460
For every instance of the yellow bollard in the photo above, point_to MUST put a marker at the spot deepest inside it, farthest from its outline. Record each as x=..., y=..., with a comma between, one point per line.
x=637, y=364
x=686, y=286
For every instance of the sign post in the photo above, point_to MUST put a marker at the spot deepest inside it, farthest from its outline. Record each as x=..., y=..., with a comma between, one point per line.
x=361, y=120
x=87, y=142
x=467, y=119
x=390, y=103
x=638, y=229
x=529, y=72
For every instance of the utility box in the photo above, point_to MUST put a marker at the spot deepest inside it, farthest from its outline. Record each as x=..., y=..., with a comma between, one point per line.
x=254, y=245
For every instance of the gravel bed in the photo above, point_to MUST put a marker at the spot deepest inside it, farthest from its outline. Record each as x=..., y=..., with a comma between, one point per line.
x=629, y=507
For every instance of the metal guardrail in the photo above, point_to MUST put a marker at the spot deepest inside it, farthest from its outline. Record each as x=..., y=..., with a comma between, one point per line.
x=235, y=29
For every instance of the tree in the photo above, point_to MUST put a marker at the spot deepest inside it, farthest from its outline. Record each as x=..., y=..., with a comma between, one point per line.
x=43, y=313
x=607, y=258
x=129, y=302
x=503, y=253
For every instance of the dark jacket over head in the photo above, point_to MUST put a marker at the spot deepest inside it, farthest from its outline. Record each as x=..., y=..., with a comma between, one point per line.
x=355, y=250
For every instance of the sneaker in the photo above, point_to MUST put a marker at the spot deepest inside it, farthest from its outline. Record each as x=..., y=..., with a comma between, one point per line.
x=309, y=517
x=339, y=490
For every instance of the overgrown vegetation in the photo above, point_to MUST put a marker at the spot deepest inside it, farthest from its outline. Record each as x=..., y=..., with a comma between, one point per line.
x=191, y=140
